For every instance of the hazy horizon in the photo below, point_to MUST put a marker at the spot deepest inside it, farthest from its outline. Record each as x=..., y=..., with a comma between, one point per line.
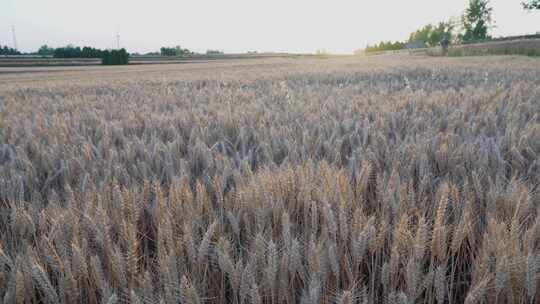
x=237, y=25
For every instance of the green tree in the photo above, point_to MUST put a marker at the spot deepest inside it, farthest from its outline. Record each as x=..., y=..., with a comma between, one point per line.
x=531, y=5
x=69, y=51
x=174, y=51
x=8, y=51
x=385, y=46
x=90, y=52
x=477, y=20
x=115, y=57
x=45, y=50
x=167, y=51
x=182, y=52
x=431, y=35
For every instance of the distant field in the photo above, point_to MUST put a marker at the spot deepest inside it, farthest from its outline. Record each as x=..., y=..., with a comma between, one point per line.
x=396, y=179
x=28, y=60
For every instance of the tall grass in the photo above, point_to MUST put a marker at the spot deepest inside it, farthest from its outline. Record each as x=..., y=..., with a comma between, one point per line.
x=415, y=183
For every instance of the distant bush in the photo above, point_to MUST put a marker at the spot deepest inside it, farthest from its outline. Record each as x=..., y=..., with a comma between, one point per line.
x=385, y=46
x=71, y=51
x=165, y=51
x=5, y=50
x=115, y=57
x=432, y=35
x=68, y=51
x=45, y=50
x=89, y=52
x=174, y=51
x=108, y=57
x=214, y=52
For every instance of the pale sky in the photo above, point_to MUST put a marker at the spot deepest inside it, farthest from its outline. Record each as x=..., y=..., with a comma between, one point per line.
x=338, y=26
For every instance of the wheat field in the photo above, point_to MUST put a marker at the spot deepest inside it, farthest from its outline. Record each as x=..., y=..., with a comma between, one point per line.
x=338, y=180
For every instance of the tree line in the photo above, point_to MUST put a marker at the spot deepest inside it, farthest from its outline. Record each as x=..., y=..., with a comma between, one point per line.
x=77, y=52
x=72, y=51
x=108, y=57
x=174, y=51
x=179, y=51
x=385, y=46
x=5, y=50
x=473, y=26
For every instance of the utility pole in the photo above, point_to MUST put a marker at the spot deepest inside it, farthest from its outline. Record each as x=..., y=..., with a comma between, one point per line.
x=14, y=37
x=117, y=41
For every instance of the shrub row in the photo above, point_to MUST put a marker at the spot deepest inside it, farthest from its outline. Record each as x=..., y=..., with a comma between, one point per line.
x=108, y=57
x=115, y=57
